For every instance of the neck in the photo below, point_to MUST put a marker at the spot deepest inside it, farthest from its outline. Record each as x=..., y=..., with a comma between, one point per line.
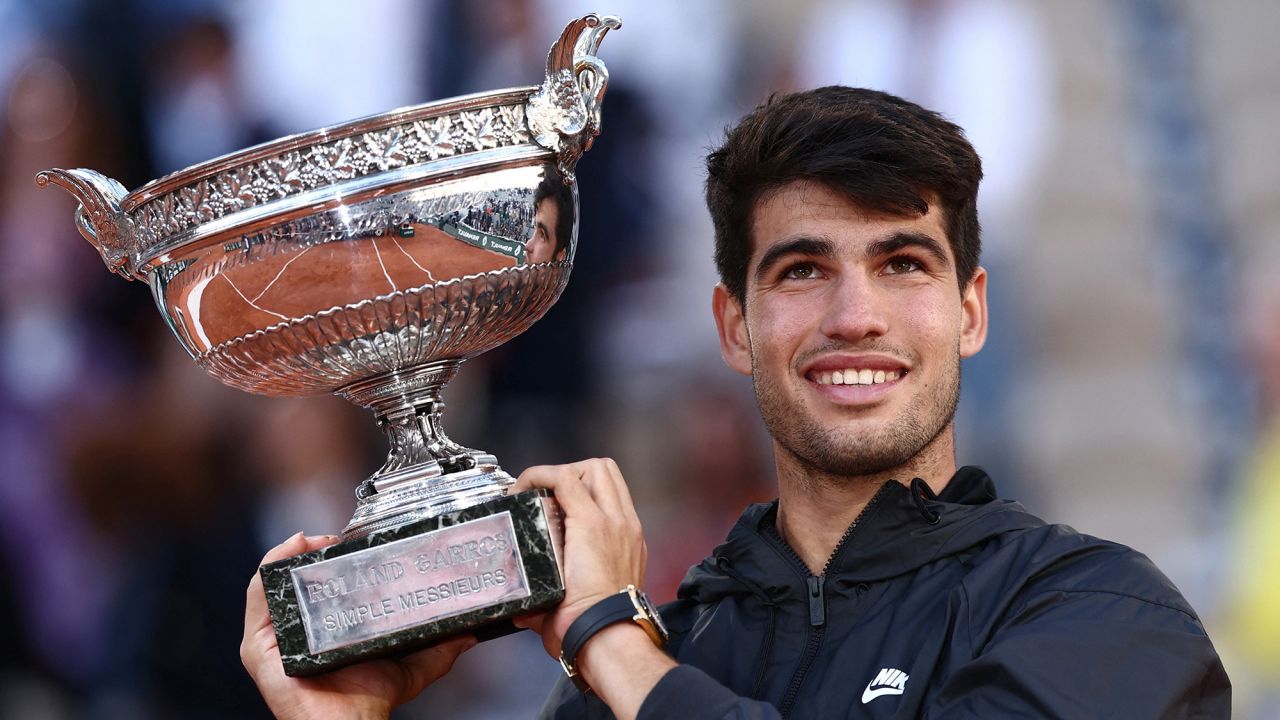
x=815, y=508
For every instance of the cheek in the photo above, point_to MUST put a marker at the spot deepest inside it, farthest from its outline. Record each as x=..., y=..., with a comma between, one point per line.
x=776, y=331
x=931, y=321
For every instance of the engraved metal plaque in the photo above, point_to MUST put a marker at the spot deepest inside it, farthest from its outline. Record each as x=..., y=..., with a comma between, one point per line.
x=438, y=574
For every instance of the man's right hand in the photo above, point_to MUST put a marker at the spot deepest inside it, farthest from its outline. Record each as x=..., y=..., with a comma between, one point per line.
x=364, y=691
x=604, y=551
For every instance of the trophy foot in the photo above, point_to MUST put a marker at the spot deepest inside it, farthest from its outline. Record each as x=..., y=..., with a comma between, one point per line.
x=399, y=501
x=426, y=474
x=397, y=590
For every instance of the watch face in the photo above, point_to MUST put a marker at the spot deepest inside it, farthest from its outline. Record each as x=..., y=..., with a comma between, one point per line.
x=649, y=610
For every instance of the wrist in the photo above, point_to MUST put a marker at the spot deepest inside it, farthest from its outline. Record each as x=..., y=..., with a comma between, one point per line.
x=619, y=644
x=629, y=606
x=622, y=666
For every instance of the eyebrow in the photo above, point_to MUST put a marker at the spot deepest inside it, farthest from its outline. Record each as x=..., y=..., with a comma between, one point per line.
x=823, y=248
x=813, y=247
x=901, y=240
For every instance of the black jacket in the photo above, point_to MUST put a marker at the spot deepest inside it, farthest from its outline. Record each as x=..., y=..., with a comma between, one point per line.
x=962, y=606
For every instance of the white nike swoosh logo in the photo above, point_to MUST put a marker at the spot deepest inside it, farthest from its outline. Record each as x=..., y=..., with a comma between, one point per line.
x=868, y=695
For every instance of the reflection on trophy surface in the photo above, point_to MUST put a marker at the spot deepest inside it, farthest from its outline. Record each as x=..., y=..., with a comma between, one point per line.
x=370, y=259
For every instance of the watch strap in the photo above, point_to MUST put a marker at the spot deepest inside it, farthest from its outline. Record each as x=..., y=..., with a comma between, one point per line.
x=608, y=611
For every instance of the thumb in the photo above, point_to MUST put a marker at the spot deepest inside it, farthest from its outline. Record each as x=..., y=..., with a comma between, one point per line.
x=424, y=667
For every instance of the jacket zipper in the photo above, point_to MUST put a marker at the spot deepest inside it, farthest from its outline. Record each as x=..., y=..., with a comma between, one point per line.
x=815, y=585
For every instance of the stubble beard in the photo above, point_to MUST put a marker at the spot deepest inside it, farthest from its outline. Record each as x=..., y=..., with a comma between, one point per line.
x=835, y=452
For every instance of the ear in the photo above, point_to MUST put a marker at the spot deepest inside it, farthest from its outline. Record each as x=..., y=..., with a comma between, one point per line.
x=973, y=331
x=731, y=324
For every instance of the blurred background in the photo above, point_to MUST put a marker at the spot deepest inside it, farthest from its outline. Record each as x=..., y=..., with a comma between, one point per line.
x=1131, y=386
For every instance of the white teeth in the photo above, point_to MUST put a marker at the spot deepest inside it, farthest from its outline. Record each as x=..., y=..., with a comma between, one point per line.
x=857, y=377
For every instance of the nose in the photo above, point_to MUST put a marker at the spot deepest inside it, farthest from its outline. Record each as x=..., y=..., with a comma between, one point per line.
x=855, y=310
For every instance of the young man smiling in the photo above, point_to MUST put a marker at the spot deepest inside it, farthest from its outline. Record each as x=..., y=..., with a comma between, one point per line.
x=884, y=581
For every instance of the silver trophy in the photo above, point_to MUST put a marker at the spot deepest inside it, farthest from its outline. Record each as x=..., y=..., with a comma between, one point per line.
x=370, y=259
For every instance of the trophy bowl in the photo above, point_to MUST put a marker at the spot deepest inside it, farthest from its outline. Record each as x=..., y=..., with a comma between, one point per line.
x=370, y=259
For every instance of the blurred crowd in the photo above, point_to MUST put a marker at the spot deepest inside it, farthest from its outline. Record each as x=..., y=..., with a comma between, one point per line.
x=1131, y=386
x=506, y=217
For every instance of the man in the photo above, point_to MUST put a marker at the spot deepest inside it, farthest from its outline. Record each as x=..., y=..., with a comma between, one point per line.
x=552, y=221
x=883, y=582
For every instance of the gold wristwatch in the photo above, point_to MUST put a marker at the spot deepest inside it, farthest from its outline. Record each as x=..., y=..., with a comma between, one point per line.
x=629, y=604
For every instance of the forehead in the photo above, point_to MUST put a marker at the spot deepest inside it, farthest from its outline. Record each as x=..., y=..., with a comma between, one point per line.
x=548, y=206
x=809, y=209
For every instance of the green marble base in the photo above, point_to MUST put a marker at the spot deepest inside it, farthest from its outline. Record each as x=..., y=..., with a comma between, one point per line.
x=408, y=587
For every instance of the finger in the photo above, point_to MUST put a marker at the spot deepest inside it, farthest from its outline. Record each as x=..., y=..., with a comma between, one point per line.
x=566, y=482
x=609, y=488
x=530, y=622
x=296, y=543
x=624, y=494
x=521, y=484
x=317, y=542
x=255, y=606
x=426, y=666
x=602, y=478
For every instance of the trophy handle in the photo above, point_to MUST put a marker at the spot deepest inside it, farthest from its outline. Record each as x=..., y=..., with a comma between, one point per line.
x=564, y=114
x=99, y=217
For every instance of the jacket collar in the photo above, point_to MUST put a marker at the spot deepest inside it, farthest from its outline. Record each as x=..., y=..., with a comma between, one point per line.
x=894, y=536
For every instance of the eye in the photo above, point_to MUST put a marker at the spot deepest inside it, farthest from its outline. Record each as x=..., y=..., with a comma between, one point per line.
x=902, y=265
x=801, y=271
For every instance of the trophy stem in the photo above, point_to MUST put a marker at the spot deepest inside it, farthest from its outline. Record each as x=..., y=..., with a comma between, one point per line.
x=426, y=474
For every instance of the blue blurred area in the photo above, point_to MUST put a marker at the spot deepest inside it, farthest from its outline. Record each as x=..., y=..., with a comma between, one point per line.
x=1129, y=386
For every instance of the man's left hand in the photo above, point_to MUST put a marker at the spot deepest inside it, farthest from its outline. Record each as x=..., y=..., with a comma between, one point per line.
x=604, y=548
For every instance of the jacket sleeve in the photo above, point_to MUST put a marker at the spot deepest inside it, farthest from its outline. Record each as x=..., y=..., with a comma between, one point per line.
x=1090, y=654
x=684, y=693
x=687, y=693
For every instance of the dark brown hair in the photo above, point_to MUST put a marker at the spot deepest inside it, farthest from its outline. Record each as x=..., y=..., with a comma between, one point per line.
x=554, y=187
x=882, y=152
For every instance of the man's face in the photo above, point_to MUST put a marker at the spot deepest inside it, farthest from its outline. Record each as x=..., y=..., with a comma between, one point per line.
x=853, y=329
x=542, y=246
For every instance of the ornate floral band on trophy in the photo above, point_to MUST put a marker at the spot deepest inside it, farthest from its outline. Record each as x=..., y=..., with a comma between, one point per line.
x=370, y=259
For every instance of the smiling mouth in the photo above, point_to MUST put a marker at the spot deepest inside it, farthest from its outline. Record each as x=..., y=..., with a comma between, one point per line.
x=854, y=376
